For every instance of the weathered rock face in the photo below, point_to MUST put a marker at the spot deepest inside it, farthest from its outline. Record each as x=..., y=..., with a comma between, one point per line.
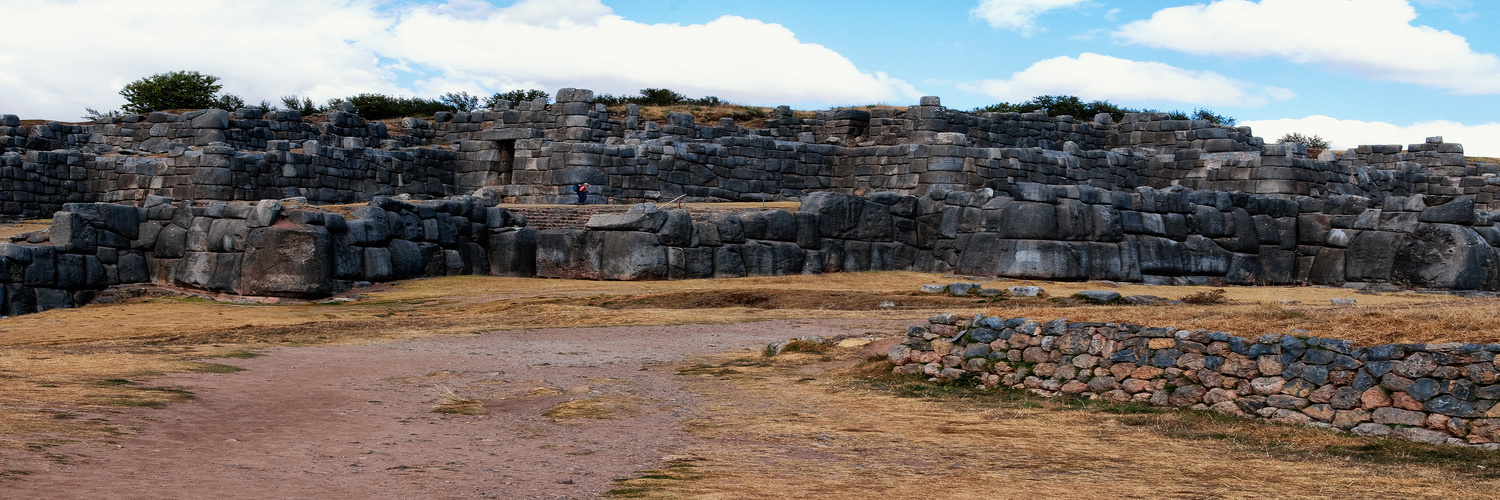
x=1387, y=390
x=1443, y=256
x=286, y=262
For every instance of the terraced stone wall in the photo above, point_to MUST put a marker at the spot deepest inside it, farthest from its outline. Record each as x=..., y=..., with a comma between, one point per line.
x=1434, y=393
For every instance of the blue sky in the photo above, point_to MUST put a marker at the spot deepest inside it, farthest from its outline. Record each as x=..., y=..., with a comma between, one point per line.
x=1355, y=71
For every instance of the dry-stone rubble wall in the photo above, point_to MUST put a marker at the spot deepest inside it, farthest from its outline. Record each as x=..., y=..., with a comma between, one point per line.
x=1434, y=393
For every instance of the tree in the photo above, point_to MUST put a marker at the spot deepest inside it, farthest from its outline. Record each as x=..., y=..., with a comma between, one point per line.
x=174, y=90
x=460, y=101
x=1311, y=141
x=302, y=105
x=515, y=97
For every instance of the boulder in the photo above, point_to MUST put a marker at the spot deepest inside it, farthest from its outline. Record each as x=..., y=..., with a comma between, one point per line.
x=645, y=217
x=1442, y=256
x=286, y=262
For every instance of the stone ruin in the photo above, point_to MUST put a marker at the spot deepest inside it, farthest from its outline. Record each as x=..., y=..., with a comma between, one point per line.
x=1431, y=393
x=230, y=202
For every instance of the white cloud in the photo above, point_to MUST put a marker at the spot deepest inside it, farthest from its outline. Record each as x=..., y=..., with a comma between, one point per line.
x=1017, y=15
x=1478, y=140
x=1371, y=38
x=1094, y=76
x=266, y=49
x=612, y=54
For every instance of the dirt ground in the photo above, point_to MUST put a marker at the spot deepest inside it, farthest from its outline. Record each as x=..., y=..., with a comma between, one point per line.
x=356, y=421
x=451, y=388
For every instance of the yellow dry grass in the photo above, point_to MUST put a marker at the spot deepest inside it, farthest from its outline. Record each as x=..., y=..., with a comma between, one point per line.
x=793, y=428
x=89, y=359
x=9, y=229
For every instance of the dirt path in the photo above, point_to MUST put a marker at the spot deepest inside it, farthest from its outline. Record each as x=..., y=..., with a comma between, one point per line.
x=356, y=421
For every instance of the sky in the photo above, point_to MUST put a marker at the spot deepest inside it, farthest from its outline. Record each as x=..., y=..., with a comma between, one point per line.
x=1352, y=71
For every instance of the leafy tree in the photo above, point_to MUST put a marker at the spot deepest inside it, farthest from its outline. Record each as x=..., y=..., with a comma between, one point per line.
x=1311, y=141
x=460, y=101
x=174, y=90
x=302, y=105
x=1212, y=117
x=515, y=96
x=228, y=102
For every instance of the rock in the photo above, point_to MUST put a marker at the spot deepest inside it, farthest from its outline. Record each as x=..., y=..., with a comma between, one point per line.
x=961, y=289
x=1284, y=416
x=1144, y=300
x=934, y=289
x=286, y=262
x=1187, y=395
x=1267, y=385
x=1419, y=435
x=1416, y=365
x=264, y=214
x=1098, y=296
x=1450, y=406
x=1397, y=416
x=644, y=217
x=1344, y=302
x=1345, y=419
x=1442, y=256
x=1371, y=430
x=1373, y=398
x=1025, y=291
x=1287, y=401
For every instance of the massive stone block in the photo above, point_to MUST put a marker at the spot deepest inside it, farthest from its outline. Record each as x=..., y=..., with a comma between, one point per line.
x=1443, y=256
x=286, y=261
x=513, y=253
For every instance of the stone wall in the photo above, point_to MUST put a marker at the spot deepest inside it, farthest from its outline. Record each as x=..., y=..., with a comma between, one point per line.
x=1434, y=393
x=1032, y=231
x=1035, y=231
x=265, y=248
x=533, y=152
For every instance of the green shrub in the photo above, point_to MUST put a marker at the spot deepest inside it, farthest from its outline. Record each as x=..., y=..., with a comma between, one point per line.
x=174, y=90
x=1057, y=105
x=460, y=101
x=381, y=106
x=300, y=104
x=658, y=97
x=1312, y=142
x=515, y=97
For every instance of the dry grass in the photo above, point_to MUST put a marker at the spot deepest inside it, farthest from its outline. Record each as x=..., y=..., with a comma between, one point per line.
x=14, y=228
x=451, y=403
x=799, y=428
x=603, y=407
x=744, y=116
x=63, y=361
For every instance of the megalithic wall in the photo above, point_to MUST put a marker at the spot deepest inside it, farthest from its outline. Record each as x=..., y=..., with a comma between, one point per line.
x=1032, y=231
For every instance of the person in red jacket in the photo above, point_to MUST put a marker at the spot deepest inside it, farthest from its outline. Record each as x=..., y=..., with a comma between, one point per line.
x=583, y=192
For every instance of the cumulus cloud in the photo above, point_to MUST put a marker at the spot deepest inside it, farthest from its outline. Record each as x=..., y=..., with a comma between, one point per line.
x=1478, y=140
x=1095, y=76
x=1017, y=15
x=609, y=53
x=1370, y=38
x=336, y=48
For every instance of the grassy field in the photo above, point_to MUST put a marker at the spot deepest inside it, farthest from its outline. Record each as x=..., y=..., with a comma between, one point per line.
x=837, y=425
x=59, y=364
